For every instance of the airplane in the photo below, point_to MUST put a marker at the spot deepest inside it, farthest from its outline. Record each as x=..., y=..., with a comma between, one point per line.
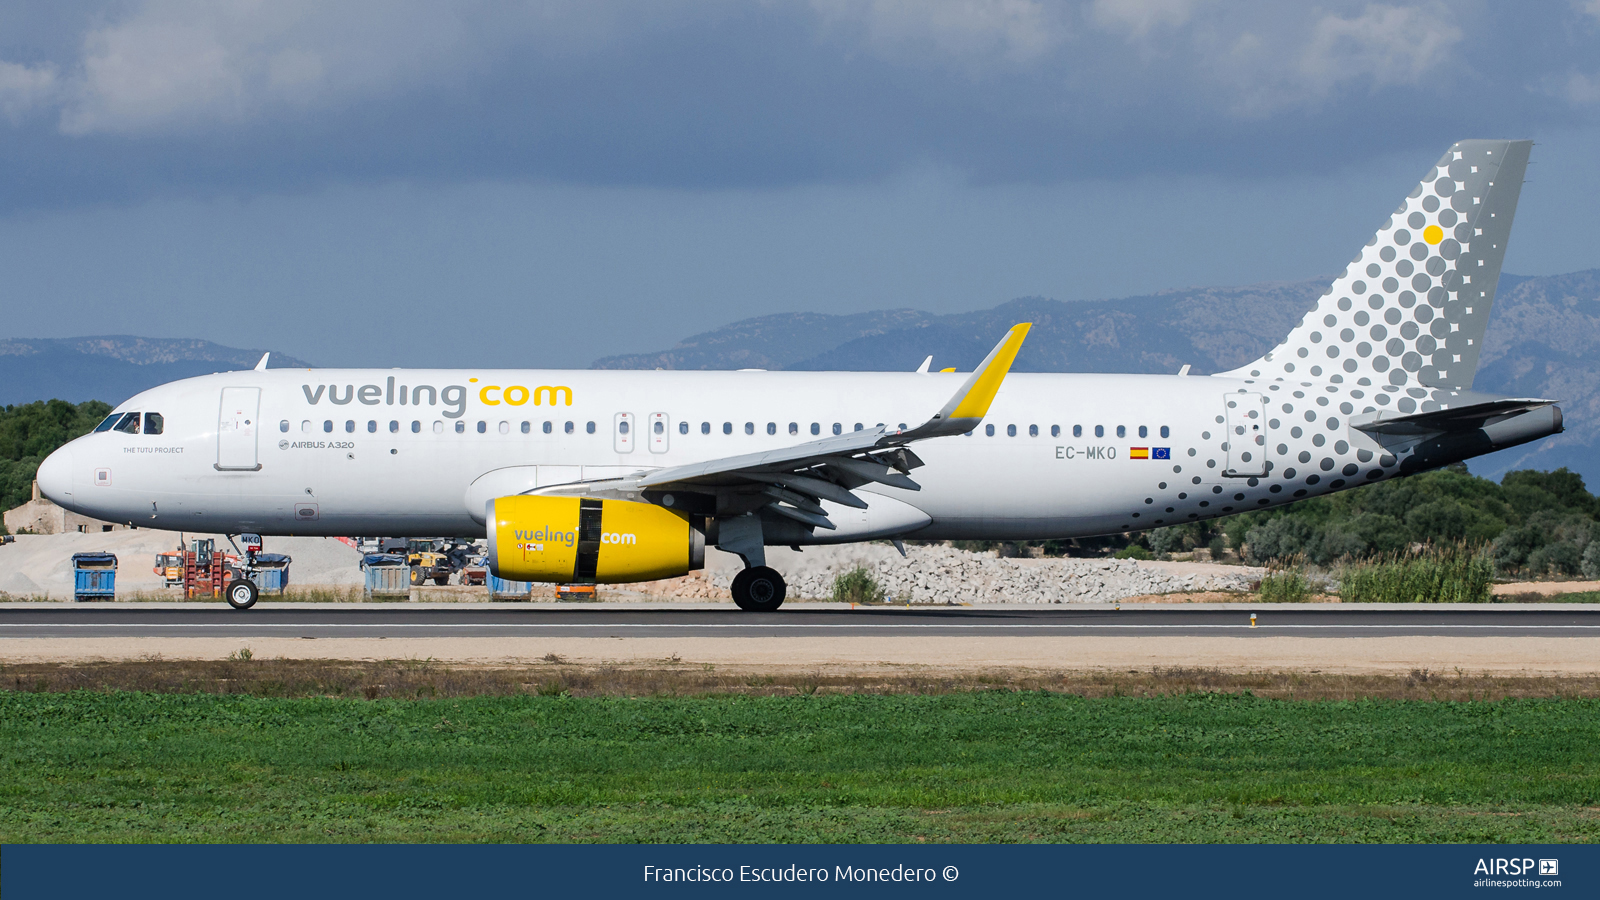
x=605, y=477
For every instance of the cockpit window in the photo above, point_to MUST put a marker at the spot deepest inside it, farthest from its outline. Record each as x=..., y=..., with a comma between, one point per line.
x=106, y=425
x=129, y=423
x=153, y=423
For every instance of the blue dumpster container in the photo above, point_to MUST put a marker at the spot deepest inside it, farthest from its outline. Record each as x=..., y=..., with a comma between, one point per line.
x=501, y=589
x=272, y=572
x=94, y=576
x=387, y=574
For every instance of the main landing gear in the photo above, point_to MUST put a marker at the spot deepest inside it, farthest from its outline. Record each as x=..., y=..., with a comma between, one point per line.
x=758, y=589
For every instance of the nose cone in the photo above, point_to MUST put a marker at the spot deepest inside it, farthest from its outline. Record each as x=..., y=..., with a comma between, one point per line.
x=55, y=477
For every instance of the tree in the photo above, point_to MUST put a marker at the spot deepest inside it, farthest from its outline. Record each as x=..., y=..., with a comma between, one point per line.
x=29, y=432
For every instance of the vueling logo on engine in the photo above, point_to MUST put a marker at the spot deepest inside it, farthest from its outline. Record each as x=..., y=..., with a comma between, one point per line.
x=528, y=536
x=452, y=396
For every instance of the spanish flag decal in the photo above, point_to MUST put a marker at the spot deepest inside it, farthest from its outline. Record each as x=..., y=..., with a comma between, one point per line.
x=1138, y=452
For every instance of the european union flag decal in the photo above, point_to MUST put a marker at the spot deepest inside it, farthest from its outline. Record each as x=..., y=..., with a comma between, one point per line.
x=1160, y=452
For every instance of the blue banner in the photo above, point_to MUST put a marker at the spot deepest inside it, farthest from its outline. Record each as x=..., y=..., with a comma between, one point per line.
x=448, y=871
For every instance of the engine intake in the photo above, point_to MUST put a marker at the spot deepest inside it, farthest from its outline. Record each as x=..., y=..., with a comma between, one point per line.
x=576, y=540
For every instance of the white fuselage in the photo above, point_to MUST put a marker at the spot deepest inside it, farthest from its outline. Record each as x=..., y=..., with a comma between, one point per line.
x=337, y=452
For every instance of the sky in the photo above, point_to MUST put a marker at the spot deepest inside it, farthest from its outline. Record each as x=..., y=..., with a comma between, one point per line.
x=546, y=183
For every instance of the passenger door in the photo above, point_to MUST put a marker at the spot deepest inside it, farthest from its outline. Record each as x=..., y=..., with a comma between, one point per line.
x=1247, y=435
x=237, y=425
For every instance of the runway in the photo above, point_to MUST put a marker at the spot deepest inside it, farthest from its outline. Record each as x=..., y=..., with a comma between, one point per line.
x=358, y=622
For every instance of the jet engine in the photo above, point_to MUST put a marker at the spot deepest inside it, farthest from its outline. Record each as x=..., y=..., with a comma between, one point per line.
x=577, y=540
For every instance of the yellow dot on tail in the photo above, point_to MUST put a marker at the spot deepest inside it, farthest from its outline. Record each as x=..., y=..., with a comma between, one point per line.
x=1433, y=234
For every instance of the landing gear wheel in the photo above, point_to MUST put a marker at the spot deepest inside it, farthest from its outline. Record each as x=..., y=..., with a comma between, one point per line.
x=758, y=589
x=241, y=594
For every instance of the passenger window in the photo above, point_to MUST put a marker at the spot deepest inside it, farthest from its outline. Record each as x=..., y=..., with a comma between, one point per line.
x=349, y=426
x=1099, y=431
x=816, y=427
x=772, y=428
x=727, y=428
x=1165, y=432
x=548, y=427
x=483, y=426
x=372, y=426
x=683, y=427
x=438, y=427
x=1011, y=431
x=1077, y=431
x=837, y=428
x=794, y=427
x=282, y=426
x=1143, y=431
x=589, y=427
x=416, y=427
x=461, y=428
x=527, y=427
x=622, y=427
x=305, y=426
x=505, y=427
x=1055, y=431
x=1122, y=431
x=394, y=426
x=659, y=428
x=108, y=423
x=1033, y=431
x=988, y=430
x=705, y=427
x=749, y=428
x=129, y=423
x=567, y=428
x=858, y=426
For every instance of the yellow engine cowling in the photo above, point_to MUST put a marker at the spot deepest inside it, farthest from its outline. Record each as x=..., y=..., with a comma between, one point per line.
x=576, y=540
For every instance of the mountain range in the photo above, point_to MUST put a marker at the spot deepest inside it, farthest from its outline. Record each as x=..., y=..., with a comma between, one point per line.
x=112, y=367
x=1543, y=341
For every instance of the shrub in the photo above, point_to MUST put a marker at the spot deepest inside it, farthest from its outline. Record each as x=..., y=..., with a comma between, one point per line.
x=1134, y=551
x=857, y=586
x=1591, y=561
x=1453, y=574
x=1288, y=586
x=1165, y=541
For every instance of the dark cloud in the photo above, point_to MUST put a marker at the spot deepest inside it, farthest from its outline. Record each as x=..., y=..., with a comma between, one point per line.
x=134, y=100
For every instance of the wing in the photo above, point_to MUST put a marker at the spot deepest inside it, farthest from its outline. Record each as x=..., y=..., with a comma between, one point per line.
x=792, y=481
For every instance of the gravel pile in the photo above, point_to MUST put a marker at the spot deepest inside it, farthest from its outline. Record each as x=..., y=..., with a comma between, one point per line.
x=41, y=564
x=941, y=574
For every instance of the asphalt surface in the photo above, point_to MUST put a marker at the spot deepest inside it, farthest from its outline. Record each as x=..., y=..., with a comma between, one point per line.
x=795, y=621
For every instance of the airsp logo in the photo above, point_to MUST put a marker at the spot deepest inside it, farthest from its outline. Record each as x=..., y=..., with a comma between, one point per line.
x=1549, y=867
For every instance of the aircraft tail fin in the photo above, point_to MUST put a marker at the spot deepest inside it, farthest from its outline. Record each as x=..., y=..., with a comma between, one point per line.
x=1411, y=310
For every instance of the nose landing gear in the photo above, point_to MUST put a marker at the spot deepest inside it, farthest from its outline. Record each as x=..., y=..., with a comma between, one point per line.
x=758, y=589
x=242, y=593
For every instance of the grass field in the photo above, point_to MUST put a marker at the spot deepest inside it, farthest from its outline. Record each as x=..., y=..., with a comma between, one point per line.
x=994, y=765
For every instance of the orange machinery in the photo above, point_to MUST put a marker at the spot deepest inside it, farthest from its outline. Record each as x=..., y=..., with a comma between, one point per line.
x=206, y=571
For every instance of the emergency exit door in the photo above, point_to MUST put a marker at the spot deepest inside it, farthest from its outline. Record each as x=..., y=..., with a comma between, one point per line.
x=237, y=426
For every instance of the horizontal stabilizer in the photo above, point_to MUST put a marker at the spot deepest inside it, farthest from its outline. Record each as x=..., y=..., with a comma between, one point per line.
x=1458, y=418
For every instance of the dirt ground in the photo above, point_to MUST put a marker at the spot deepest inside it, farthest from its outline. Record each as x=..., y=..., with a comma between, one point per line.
x=849, y=654
x=554, y=675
